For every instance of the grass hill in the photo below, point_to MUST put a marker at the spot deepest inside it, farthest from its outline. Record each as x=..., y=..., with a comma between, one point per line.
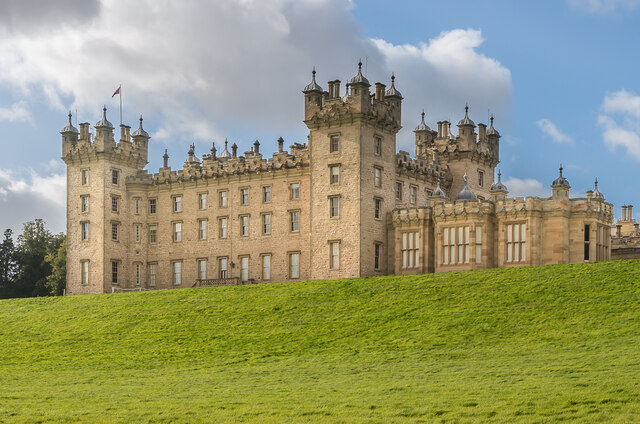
x=533, y=344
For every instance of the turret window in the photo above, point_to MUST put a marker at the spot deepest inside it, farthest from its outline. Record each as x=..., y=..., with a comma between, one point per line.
x=480, y=178
x=266, y=194
x=377, y=255
x=84, y=265
x=114, y=231
x=136, y=206
x=85, y=203
x=202, y=201
x=334, y=144
x=177, y=231
x=115, y=265
x=377, y=146
x=398, y=191
x=152, y=206
x=334, y=206
x=114, y=204
x=334, y=174
x=115, y=176
x=413, y=194
x=244, y=196
x=177, y=203
x=294, y=190
x=85, y=177
x=85, y=230
x=377, y=208
x=295, y=221
x=334, y=254
x=223, y=197
x=377, y=176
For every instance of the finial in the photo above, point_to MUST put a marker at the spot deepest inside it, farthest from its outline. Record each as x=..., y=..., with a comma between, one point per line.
x=423, y=116
x=491, y=119
x=359, y=65
x=393, y=78
x=561, y=170
x=104, y=111
x=465, y=177
x=596, y=183
x=140, y=120
x=313, y=73
x=466, y=109
x=225, y=142
x=69, y=117
x=499, y=176
x=165, y=153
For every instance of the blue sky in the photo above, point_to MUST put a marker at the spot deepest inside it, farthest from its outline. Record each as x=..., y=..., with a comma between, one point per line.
x=560, y=77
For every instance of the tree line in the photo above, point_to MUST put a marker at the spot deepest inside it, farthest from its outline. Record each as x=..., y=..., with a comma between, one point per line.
x=33, y=265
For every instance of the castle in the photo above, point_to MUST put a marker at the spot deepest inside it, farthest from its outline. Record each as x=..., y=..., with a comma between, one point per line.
x=346, y=204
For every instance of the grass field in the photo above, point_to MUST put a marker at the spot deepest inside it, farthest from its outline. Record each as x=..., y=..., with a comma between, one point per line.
x=541, y=344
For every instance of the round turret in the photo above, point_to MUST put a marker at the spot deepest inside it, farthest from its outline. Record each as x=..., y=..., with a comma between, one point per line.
x=438, y=192
x=498, y=186
x=359, y=78
x=392, y=92
x=225, y=153
x=70, y=128
x=422, y=126
x=313, y=86
x=104, y=122
x=140, y=132
x=466, y=120
x=491, y=130
x=560, y=181
x=596, y=192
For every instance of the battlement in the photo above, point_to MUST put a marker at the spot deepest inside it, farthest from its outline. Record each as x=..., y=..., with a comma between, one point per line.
x=419, y=168
x=462, y=209
x=218, y=167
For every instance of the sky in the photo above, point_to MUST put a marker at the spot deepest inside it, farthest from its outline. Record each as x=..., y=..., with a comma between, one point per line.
x=560, y=77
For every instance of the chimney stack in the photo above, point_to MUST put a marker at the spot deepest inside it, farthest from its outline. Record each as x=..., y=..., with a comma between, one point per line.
x=84, y=131
x=280, y=144
x=123, y=133
x=482, y=132
x=256, y=145
x=630, y=213
x=624, y=213
x=379, y=93
x=234, y=150
x=440, y=129
x=336, y=89
x=330, y=83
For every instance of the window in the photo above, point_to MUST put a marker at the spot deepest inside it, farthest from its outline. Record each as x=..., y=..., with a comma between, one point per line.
x=294, y=265
x=266, y=223
x=153, y=233
x=295, y=191
x=463, y=245
x=398, y=191
x=266, y=267
x=295, y=220
x=480, y=178
x=377, y=253
x=177, y=231
x=114, y=271
x=223, y=227
x=152, y=206
x=136, y=232
x=244, y=268
x=115, y=175
x=202, y=201
x=85, y=177
x=137, y=269
x=413, y=194
x=202, y=269
x=266, y=194
x=114, y=204
x=448, y=245
x=516, y=237
x=114, y=231
x=334, y=255
x=377, y=176
x=377, y=146
x=478, y=244
x=85, y=230
x=377, y=208
x=334, y=172
x=223, y=198
x=334, y=207
x=85, y=203
x=177, y=272
x=222, y=266
x=586, y=241
x=244, y=196
x=177, y=203
x=334, y=144
x=136, y=206
x=410, y=249
x=153, y=273
x=84, y=265
x=202, y=229
x=244, y=225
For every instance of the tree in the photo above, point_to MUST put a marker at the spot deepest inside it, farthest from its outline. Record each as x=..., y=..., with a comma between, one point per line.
x=34, y=244
x=57, y=280
x=7, y=264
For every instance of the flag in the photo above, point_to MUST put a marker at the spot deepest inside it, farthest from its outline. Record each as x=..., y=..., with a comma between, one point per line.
x=116, y=92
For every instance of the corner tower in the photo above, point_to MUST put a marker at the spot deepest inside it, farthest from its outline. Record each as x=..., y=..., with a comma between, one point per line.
x=352, y=153
x=98, y=209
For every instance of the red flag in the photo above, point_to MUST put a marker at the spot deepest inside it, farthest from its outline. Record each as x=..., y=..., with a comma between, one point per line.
x=117, y=92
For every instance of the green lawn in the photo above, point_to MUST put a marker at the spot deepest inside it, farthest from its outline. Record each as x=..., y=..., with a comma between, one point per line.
x=533, y=344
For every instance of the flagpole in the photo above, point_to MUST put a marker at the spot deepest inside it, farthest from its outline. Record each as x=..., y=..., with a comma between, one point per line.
x=120, y=104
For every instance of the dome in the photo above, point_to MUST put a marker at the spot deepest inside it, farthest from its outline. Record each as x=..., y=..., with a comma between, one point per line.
x=438, y=192
x=313, y=86
x=192, y=158
x=225, y=154
x=392, y=92
x=596, y=192
x=465, y=193
x=104, y=122
x=359, y=78
x=560, y=181
x=140, y=132
x=422, y=126
x=491, y=130
x=499, y=186
x=70, y=128
x=466, y=120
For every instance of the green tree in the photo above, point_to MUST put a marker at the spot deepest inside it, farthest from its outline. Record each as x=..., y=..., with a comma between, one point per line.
x=34, y=244
x=7, y=264
x=57, y=280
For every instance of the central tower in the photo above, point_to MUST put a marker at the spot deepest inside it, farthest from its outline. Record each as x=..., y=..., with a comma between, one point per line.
x=352, y=141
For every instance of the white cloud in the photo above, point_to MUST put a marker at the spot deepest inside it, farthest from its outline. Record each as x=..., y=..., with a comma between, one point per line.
x=620, y=122
x=25, y=198
x=17, y=112
x=203, y=70
x=526, y=187
x=604, y=7
x=551, y=130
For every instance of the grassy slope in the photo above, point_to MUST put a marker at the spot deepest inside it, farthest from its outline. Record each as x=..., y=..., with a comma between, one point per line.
x=503, y=345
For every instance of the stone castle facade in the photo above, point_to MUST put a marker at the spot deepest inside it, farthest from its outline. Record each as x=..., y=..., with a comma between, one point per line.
x=345, y=204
